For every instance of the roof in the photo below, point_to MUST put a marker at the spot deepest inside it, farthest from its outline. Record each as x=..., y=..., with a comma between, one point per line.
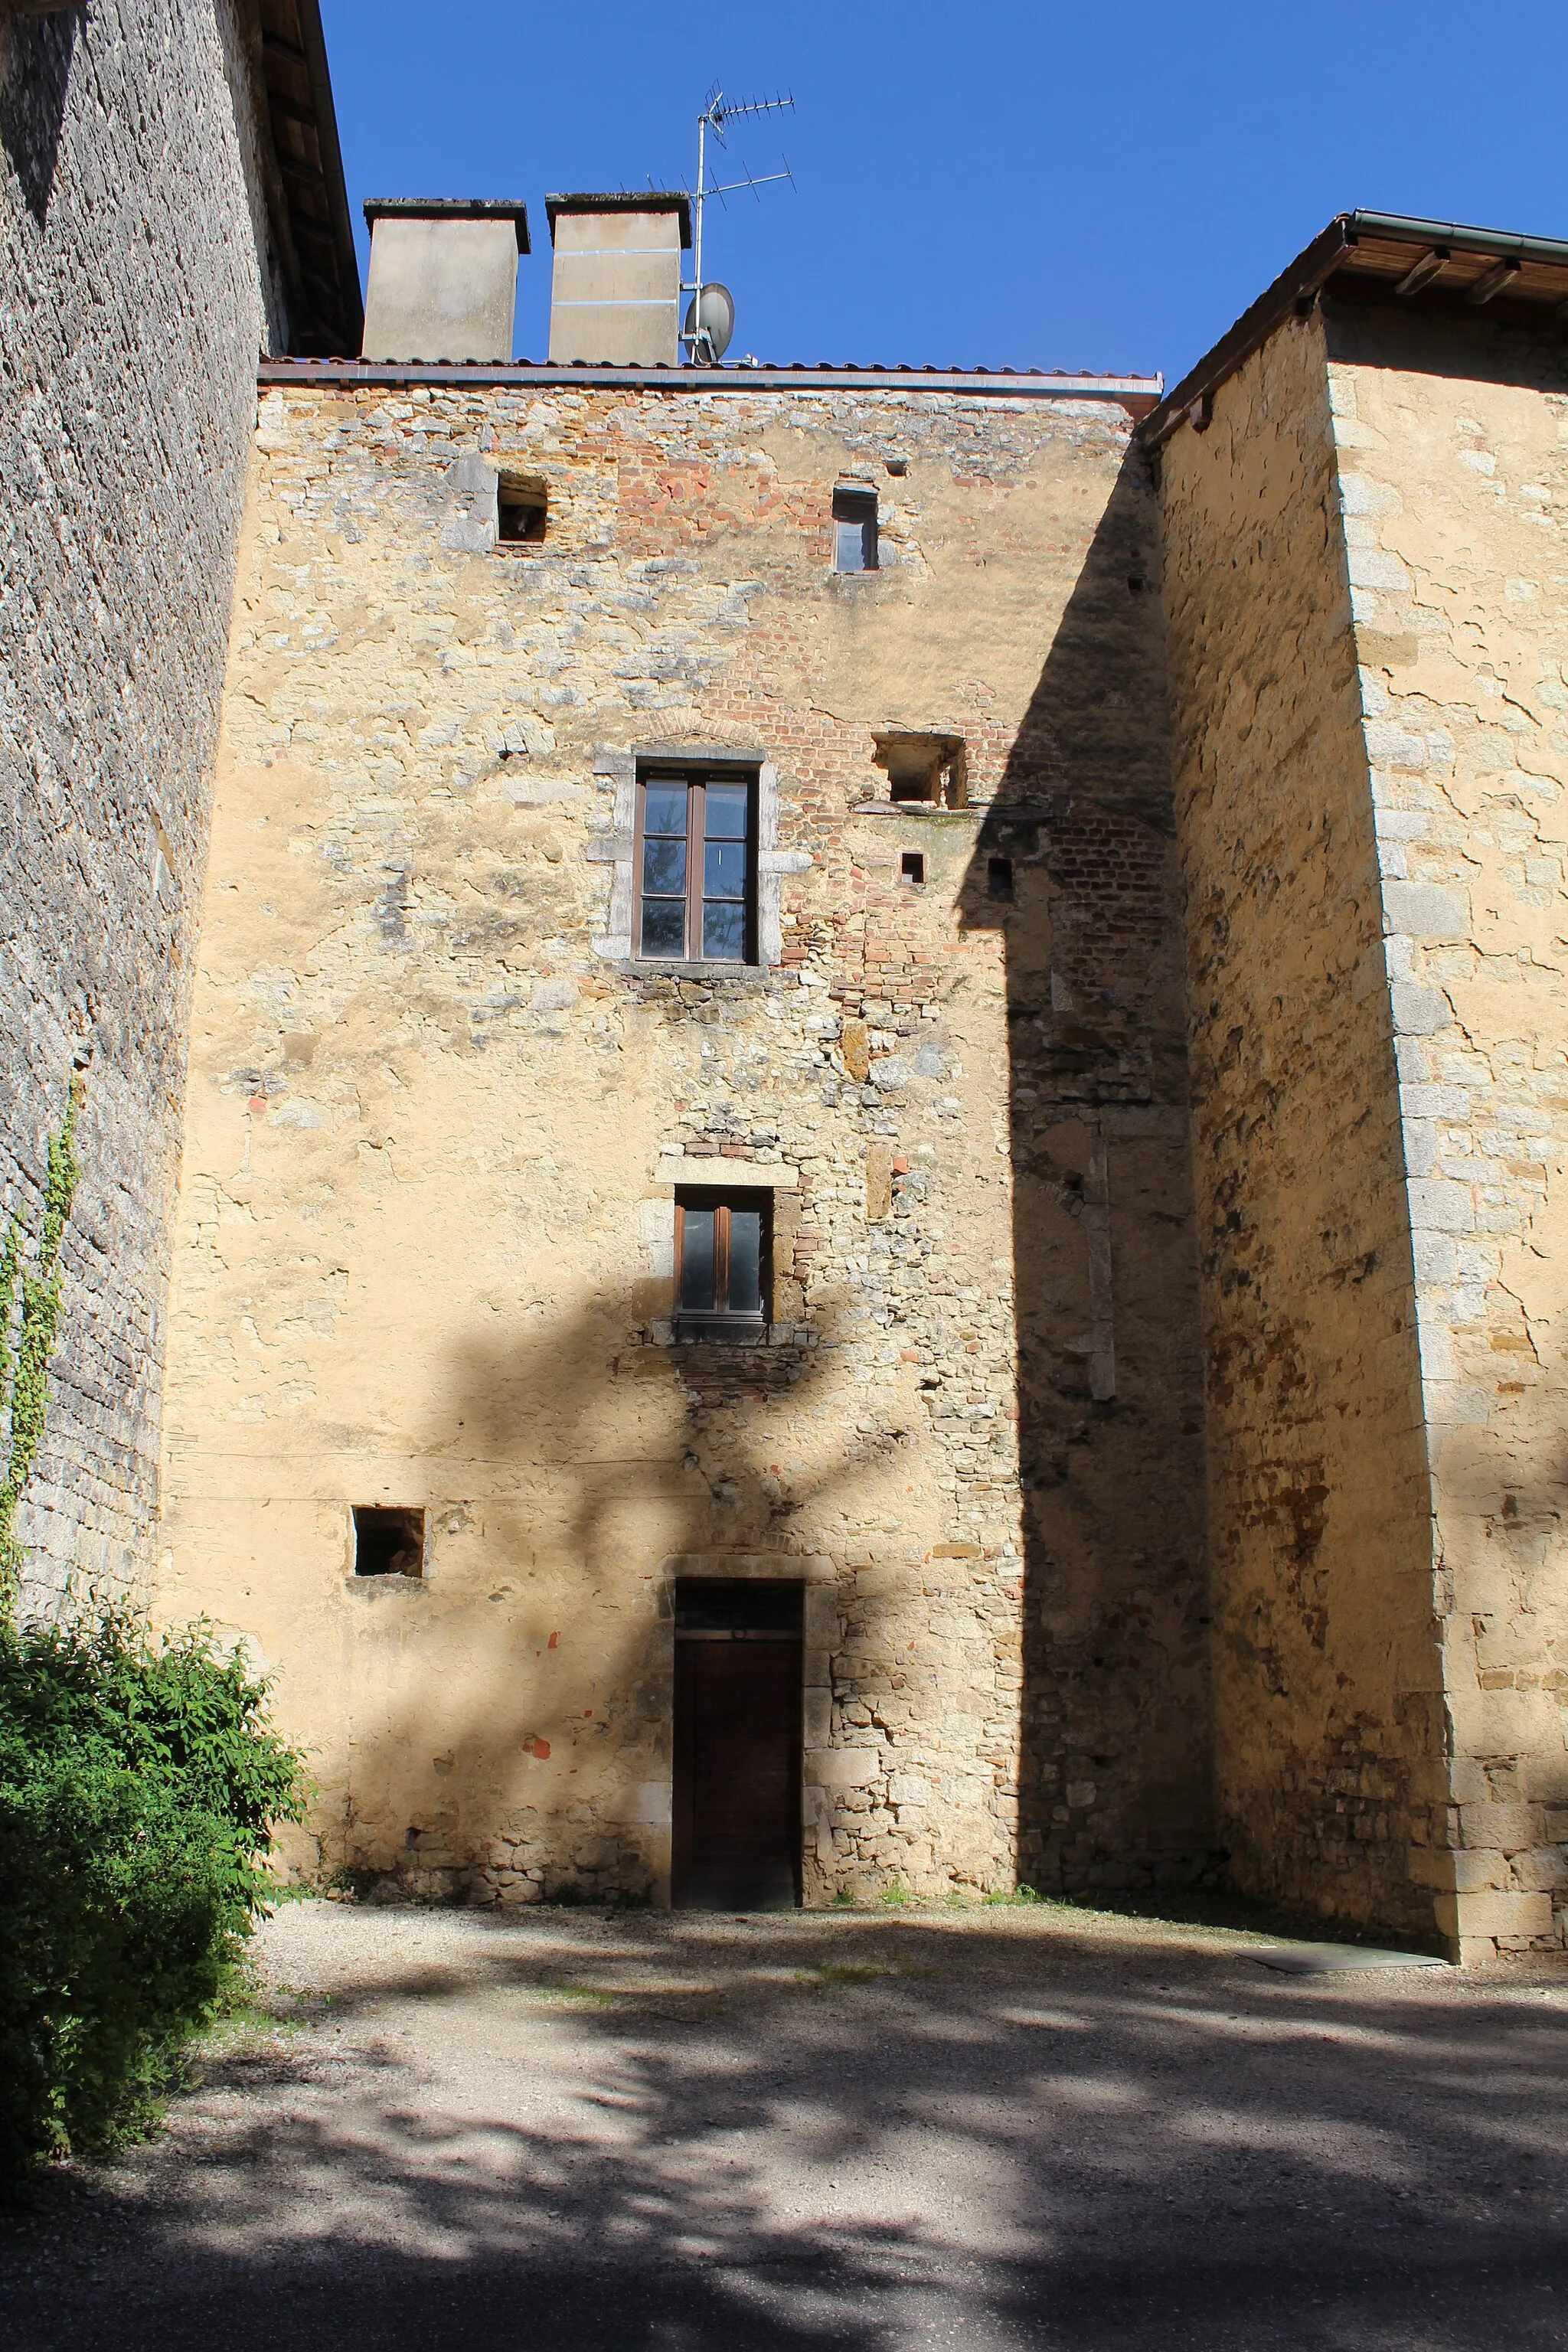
x=307, y=199
x=499, y=208
x=1430, y=266
x=651, y=200
x=1136, y=393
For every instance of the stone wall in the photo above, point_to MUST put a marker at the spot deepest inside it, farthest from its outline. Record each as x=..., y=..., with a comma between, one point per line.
x=1329, y=1705
x=438, y=1117
x=1453, y=456
x=131, y=218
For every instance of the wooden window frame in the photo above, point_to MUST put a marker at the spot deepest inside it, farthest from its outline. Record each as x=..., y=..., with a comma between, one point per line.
x=697, y=780
x=720, y=1322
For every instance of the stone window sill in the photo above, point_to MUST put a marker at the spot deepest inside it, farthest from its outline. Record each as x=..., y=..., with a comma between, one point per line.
x=756, y=1335
x=659, y=968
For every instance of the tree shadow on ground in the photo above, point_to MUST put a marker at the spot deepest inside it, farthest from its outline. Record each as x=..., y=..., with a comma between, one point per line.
x=858, y=2131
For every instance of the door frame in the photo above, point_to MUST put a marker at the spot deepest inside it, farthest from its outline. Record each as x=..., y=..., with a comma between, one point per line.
x=820, y=1633
x=688, y=1649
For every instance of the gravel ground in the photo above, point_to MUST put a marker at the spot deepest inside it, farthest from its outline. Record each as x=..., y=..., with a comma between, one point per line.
x=994, y=2128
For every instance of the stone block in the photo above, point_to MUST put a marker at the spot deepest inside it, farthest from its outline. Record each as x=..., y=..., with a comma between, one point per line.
x=1418, y=1011
x=1508, y=1829
x=842, y=1768
x=1427, y=910
x=640, y=1800
x=1494, y=1913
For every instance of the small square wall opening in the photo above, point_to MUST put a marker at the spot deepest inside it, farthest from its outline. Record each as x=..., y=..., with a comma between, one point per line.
x=388, y=1542
x=912, y=867
x=999, y=876
x=928, y=768
x=523, y=506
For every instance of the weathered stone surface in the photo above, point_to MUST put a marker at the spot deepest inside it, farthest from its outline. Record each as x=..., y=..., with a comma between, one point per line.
x=1371, y=839
x=133, y=238
x=437, y=1114
x=1460, y=435
x=1328, y=1688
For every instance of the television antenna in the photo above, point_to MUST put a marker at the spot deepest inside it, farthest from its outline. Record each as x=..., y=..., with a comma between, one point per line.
x=703, y=347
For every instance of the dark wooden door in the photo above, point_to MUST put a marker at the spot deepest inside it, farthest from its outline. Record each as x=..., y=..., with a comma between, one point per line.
x=737, y=1765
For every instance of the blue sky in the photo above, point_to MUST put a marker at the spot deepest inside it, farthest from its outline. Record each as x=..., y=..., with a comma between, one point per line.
x=992, y=184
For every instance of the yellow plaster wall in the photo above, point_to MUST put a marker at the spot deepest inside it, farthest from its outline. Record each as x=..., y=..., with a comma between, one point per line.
x=1453, y=455
x=435, y=1124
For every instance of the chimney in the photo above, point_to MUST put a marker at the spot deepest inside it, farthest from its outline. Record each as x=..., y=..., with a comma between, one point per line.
x=615, y=295
x=443, y=278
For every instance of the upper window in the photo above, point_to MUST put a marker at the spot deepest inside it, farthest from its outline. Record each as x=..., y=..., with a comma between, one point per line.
x=522, y=505
x=722, y=1245
x=696, y=865
x=854, y=529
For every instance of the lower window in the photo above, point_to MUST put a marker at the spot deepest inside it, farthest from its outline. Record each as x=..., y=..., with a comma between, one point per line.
x=722, y=1243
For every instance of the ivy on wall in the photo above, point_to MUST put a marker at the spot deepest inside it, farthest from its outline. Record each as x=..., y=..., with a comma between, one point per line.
x=27, y=1333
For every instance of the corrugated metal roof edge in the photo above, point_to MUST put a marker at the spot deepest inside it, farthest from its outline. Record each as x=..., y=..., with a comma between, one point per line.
x=1137, y=392
x=1304, y=276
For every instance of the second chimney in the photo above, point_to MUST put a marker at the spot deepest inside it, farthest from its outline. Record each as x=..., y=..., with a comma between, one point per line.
x=443, y=278
x=616, y=293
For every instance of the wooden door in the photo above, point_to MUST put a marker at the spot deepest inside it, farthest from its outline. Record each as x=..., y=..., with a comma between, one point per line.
x=737, y=1753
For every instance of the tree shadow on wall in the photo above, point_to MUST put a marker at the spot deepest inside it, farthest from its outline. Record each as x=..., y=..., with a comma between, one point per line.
x=1075, y=870
x=36, y=55
x=588, y=1448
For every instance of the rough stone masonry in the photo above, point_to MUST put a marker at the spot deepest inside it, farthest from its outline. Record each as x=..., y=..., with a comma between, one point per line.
x=1372, y=836
x=140, y=279
x=439, y=1112
x=1173, y=1490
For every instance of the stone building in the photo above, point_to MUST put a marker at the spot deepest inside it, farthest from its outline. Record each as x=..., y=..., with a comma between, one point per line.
x=1364, y=498
x=532, y=1501
x=876, y=1083
x=171, y=202
x=485, y=1069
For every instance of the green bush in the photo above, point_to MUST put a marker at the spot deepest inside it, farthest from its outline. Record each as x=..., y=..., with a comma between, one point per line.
x=138, y=1788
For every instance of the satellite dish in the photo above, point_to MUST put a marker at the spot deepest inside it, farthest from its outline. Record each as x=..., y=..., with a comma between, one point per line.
x=710, y=314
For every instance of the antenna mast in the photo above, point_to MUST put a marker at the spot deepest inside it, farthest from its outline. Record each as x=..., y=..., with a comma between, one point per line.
x=717, y=111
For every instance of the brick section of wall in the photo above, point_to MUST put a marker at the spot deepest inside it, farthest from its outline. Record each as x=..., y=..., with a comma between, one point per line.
x=1453, y=456
x=1328, y=1699
x=130, y=224
x=436, y=1129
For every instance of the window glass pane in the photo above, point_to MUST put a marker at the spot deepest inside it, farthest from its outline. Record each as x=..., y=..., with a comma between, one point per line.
x=724, y=930
x=663, y=927
x=664, y=808
x=664, y=867
x=724, y=869
x=851, y=556
x=745, y=1261
x=727, y=810
x=696, y=1261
